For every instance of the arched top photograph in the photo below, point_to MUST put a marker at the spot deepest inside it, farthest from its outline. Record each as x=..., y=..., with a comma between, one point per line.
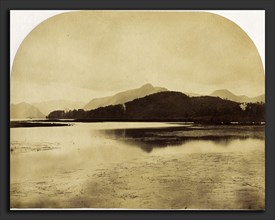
x=137, y=110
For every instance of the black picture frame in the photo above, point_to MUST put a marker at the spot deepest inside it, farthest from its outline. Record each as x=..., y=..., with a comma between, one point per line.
x=7, y=5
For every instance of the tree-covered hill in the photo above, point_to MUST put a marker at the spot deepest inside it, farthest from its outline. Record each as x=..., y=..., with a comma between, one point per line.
x=171, y=106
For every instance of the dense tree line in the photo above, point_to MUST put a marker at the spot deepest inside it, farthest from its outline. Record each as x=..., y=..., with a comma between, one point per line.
x=171, y=106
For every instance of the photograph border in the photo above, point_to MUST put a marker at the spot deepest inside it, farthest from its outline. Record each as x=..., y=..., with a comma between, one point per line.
x=7, y=5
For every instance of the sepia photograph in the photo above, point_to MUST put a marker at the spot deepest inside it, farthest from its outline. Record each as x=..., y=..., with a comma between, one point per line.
x=137, y=110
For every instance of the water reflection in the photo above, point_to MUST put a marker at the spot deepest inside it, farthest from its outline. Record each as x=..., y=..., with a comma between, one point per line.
x=87, y=164
x=149, y=138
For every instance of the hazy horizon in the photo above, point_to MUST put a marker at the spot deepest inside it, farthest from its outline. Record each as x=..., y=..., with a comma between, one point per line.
x=84, y=55
x=116, y=92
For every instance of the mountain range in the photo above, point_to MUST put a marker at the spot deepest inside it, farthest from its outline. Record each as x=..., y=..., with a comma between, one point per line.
x=225, y=94
x=124, y=97
x=40, y=109
x=24, y=110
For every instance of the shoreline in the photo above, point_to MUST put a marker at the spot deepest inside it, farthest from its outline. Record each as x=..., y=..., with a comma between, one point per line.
x=64, y=122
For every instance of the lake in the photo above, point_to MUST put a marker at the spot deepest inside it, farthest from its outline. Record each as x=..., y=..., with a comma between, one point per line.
x=138, y=166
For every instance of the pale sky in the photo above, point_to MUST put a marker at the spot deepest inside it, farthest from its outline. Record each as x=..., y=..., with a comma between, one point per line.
x=82, y=55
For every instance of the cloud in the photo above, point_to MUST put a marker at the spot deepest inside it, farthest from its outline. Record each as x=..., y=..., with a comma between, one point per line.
x=114, y=50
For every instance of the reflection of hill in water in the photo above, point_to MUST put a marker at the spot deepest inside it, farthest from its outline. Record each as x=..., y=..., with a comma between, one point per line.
x=149, y=138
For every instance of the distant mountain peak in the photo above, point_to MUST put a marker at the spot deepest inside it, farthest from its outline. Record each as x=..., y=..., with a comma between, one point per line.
x=222, y=91
x=124, y=96
x=226, y=94
x=25, y=110
x=147, y=85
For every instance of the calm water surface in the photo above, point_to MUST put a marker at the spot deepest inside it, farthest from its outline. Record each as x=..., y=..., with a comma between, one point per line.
x=38, y=151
